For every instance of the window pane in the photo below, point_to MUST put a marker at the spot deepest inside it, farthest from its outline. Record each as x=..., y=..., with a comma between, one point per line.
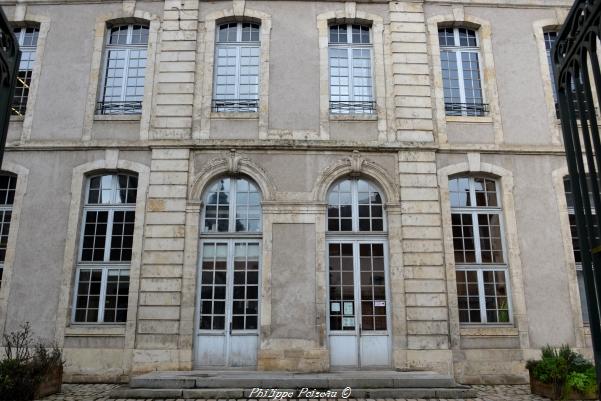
x=94, y=236
x=28, y=39
x=117, y=289
x=495, y=292
x=87, y=300
x=468, y=298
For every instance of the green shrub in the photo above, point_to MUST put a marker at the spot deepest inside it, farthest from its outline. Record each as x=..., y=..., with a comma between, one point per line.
x=565, y=369
x=25, y=364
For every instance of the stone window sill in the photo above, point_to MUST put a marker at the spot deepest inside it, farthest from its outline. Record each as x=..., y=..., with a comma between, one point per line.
x=353, y=117
x=17, y=118
x=232, y=115
x=469, y=119
x=495, y=331
x=117, y=117
x=77, y=330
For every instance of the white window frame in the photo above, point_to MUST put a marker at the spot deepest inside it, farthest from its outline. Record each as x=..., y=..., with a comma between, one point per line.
x=232, y=209
x=457, y=50
x=236, y=104
x=578, y=265
x=25, y=49
x=6, y=207
x=478, y=266
x=126, y=47
x=349, y=46
x=355, y=209
x=105, y=265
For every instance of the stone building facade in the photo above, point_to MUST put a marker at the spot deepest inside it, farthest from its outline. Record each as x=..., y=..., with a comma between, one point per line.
x=289, y=185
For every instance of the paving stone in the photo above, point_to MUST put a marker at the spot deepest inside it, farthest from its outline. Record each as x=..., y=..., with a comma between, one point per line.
x=101, y=392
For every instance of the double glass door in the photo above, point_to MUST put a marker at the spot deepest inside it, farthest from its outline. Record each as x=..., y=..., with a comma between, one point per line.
x=228, y=303
x=358, y=309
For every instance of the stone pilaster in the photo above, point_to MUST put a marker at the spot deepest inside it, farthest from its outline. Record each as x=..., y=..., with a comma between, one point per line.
x=411, y=75
x=423, y=259
x=159, y=305
x=174, y=92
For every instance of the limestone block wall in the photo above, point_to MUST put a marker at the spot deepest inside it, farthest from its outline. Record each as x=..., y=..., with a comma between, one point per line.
x=157, y=335
x=174, y=92
x=411, y=74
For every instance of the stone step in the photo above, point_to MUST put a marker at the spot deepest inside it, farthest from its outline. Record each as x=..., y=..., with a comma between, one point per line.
x=462, y=392
x=250, y=379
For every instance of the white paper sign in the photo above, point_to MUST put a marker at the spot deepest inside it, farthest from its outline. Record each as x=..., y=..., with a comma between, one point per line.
x=335, y=307
x=348, y=308
x=348, y=322
x=380, y=303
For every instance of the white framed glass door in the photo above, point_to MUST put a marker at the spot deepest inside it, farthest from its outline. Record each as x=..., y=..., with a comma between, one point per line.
x=358, y=309
x=228, y=303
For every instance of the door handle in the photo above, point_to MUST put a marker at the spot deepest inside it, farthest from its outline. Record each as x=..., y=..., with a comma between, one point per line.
x=230, y=328
x=360, y=328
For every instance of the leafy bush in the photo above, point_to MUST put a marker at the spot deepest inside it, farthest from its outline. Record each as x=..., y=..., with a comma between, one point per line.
x=567, y=370
x=25, y=364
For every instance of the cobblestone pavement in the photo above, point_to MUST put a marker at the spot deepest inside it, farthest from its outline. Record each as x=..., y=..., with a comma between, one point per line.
x=99, y=392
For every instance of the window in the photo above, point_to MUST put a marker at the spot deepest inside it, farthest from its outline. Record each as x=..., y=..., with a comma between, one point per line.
x=237, y=55
x=230, y=263
x=105, y=251
x=576, y=242
x=350, y=59
x=28, y=41
x=550, y=37
x=357, y=278
x=8, y=184
x=462, y=82
x=480, y=260
x=122, y=88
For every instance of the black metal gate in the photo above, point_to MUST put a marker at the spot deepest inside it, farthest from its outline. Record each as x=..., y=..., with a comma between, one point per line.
x=10, y=57
x=578, y=79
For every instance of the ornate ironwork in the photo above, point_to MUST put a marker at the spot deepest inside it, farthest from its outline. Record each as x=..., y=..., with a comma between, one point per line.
x=466, y=109
x=354, y=107
x=119, y=107
x=10, y=56
x=578, y=82
x=236, y=105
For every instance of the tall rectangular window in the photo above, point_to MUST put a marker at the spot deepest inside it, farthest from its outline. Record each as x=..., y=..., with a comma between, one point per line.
x=122, y=85
x=28, y=41
x=350, y=62
x=102, y=287
x=576, y=243
x=8, y=184
x=550, y=37
x=462, y=82
x=481, y=266
x=237, y=58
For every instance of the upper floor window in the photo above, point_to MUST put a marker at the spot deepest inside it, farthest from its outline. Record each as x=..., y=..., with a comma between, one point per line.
x=576, y=241
x=102, y=277
x=461, y=75
x=8, y=184
x=479, y=247
x=122, y=84
x=355, y=205
x=550, y=37
x=237, y=57
x=350, y=60
x=28, y=41
x=232, y=205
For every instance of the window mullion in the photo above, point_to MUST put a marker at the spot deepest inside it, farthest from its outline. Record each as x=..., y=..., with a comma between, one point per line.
x=481, y=296
x=351, y=75
x=476, y=228
x=125, y=74
x=354, y=206
x=109, y=235
x=232, y=205
x=461, y=80
x=102, y=298
x=237, y=86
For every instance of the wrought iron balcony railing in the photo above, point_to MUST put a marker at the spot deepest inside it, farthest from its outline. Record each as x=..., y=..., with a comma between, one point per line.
x=466, y=109
x=236, y=105
x=352, y=107
x=108, y=108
